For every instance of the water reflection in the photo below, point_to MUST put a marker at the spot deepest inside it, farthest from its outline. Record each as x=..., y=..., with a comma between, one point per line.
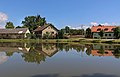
x=38, y=52
x=3, y=58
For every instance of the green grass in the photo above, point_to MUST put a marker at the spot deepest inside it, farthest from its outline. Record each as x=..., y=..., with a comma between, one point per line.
x=72, y=40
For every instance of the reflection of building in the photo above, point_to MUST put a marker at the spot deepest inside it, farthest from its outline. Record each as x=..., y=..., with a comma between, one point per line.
x=47, y=49
x=50, y=50
x=99, y=53
x=13, y=47
x=102, y=50
x=39, y=52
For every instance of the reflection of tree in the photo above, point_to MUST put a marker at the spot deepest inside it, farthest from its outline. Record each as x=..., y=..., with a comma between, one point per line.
x=33, y=56
x=60, y=46
x=101, y=50
x=116, y=53
x=88, y=51
x=9, y=53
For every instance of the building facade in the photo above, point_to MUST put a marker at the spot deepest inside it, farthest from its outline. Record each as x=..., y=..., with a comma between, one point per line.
x=18, y=33
x=46, y=31
x=108, y=31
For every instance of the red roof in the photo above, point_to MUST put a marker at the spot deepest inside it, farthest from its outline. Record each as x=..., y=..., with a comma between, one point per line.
x=102, y=27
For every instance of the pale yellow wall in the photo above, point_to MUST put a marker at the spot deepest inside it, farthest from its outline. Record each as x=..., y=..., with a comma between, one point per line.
x=26, y=33
x=49, y=29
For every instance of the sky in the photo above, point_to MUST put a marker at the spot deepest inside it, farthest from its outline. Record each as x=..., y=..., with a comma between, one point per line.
x=61, y=13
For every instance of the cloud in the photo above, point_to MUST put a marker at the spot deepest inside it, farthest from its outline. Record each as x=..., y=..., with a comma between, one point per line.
x=3, y=57
x=94, y=23
x=3, y=19
x=79, y=27
x=105, y=23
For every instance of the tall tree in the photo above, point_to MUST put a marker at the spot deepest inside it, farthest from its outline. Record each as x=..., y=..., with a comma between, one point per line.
x=88, y=33
x=9, y=25
x=32, y=22
x=67, y=29
x=101, y=33
x=117, y=32
x=18, y=27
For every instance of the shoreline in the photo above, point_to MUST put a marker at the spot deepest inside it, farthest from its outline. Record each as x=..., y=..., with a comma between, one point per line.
x=72, y=40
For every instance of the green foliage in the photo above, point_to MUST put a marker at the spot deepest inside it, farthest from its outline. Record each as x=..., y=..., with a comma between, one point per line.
x=28, y=35
x=76, y=31
x=9, y=25
x=18, y=27
x=117, y=32
x=88, y=33
x=33, y=56
x=9, y=53
x=46, y=35
x=67, y=29
x=101, y=33
x=32, y=22
x=101, y=50
x=60, y=34
x=117, y=52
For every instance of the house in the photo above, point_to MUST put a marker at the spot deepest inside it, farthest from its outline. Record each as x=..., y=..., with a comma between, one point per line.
x=48, y=31
x=17, y=33
x=108, y=31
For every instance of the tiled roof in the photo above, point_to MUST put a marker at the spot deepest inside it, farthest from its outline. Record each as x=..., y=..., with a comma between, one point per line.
x=40, y=28
x=17, y=30
x=102, y=27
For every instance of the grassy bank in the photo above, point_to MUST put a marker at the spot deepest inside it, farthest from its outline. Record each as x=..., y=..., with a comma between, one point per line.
x=72, y=40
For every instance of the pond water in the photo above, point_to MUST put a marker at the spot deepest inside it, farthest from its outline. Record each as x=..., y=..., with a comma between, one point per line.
x=59, y=60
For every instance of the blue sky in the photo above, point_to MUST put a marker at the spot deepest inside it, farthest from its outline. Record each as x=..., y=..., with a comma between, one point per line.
x=64, y=12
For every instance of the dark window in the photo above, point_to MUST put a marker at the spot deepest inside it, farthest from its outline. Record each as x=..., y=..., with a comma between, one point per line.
x=52, y=32
x=46, y=32
x=106, y=52
x=109, y=34
x=105, y=46
x=105, y=34
x=98, y=29
x=105, y=29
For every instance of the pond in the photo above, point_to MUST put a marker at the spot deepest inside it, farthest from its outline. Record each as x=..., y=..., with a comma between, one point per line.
x=59, y=60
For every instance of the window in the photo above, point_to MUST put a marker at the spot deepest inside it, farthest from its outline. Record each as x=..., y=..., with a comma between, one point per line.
x=109, y=34
x=46, y=32
x=109, y=46
x=105, y=34
x=105, y=29
x=105, y=46
x=52, y=32
x=98, y=29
